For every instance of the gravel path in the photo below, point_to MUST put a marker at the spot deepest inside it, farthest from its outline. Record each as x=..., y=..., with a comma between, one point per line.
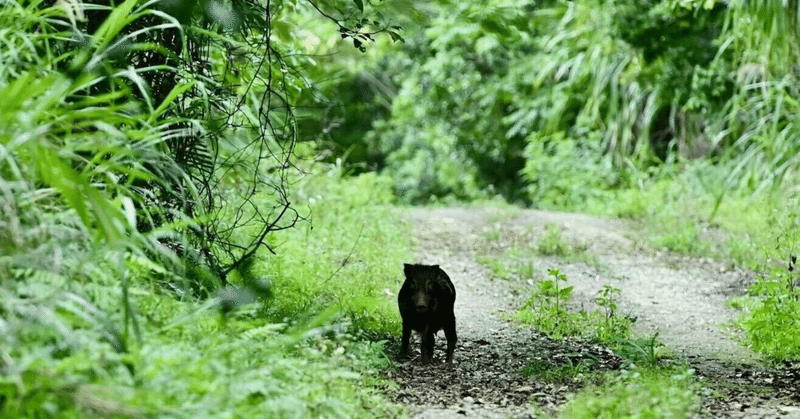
x=683, y=299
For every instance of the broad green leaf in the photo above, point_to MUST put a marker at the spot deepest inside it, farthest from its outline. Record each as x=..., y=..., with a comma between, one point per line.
x=282, y=30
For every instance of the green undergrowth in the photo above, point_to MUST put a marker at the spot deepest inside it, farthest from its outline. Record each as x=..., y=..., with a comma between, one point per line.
x=639, y=393
x=516, y=262
x=771, y=318
x=195, y=365
x=553, y=243
x=547, y=310
x=686, y=213
x=347, y=257
x=758, y=231
x=643, y=388
x=553, y=372
x=75, y=344
x=513, y=263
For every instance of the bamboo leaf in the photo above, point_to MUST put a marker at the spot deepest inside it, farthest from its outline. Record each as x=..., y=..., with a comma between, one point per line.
x=175, y=93
x=77, y=192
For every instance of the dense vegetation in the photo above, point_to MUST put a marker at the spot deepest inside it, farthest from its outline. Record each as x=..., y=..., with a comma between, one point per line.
x=682, y=114
x=195, y=197
x=514, y=97
x=147, y=153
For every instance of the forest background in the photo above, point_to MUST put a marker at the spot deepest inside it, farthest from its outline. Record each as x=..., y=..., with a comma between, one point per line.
x=162, y=165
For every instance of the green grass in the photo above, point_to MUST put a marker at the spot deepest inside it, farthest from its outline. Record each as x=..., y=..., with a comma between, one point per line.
x=206, y=368
x=552, y=244
x=493, y=234
x=349, y=258
x=668, y=211
x=516, y=261
x=298, y=350
x=643, y=389
x=679, y=214
x=552, y=373
x=499, y=267
x=246, y=367
x=509, y=267
x=639, y=351
x=512, y=258
x=639, y=393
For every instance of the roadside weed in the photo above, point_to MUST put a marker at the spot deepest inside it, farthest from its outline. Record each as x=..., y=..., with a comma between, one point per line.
x=553, y=244
x=638, y=393
x=551, y=372
x=610, y=324
x=548, y=312
x=773, y=326
x=546, y=309
x=493, y=234
x=498, y=268
x=343, y=260
x=639, y=351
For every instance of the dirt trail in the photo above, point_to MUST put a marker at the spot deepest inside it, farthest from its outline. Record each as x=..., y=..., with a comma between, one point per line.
x=680, y=298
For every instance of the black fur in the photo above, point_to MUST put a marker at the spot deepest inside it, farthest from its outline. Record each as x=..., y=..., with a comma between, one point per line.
x=426, y=302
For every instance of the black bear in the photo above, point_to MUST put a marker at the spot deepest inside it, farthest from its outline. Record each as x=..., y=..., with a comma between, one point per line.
x=426, y=302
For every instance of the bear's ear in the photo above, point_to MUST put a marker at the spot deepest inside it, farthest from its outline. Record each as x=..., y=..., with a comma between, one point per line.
x=435, y=266
x=407, y=268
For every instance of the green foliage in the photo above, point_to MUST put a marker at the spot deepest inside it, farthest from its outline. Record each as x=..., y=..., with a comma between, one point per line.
x=103, y=121
x=549, y=372
x=639, y=351
x=512, y=258
x=552, y=244
x=680, y=236
x=683, y=215
x=498, y=267
x=349, y=257
x=431, y=143
x=251, y=368
x=515, y=263
x=772, y=325
x=564, y=173
x=759, y=117
x=562, y=105
x=66, y=356
x=548, y=312
x=639, y=394
x=754, y=232
x=107, y=197
x=493, y=234
x=680, y=215
x=474, y=106
x=114, y=118
x=546, y=309
x=194, y=365
x=73, y=162
x=611, y=324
